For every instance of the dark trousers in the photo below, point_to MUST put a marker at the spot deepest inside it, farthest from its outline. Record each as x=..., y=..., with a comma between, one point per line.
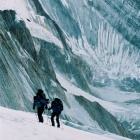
x=57, y=119
x=39, y=113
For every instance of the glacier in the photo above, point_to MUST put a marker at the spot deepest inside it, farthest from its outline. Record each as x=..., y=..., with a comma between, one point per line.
x=86, y=52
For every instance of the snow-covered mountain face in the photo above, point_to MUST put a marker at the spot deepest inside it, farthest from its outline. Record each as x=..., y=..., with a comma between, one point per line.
x=79, y=50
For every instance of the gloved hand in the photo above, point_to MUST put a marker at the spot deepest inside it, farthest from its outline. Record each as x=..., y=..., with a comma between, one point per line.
x=49, y=108
x=33, y=108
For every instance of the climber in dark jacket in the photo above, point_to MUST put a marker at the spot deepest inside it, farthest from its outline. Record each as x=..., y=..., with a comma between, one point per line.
x=40, y=107
x=56, y=111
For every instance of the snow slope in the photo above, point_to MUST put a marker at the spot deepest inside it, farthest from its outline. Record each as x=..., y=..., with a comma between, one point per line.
x=18, y=125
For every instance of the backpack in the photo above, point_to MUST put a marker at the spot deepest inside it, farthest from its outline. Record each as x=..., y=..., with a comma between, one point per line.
x=40, y=102
x=59, y=104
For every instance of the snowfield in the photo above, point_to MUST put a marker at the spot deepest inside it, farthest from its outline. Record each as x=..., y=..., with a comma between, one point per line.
x=19, y=125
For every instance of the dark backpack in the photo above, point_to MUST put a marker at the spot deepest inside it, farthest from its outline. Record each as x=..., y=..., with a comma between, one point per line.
x=59, y=104
x=40, y=102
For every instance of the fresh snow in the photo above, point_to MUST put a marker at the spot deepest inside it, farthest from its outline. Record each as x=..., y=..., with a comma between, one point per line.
x=19, y=125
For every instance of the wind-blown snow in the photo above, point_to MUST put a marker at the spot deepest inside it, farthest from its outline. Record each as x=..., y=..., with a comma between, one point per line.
x=18, y=125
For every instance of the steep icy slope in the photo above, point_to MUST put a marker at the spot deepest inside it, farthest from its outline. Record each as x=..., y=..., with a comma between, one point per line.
x=95, y=31
x=80, y=40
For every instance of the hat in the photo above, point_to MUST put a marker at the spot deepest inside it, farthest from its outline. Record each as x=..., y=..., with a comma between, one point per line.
x=40, y=91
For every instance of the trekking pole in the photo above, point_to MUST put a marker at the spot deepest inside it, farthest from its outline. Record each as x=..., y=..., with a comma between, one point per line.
x=61, y=123
x=48, y=122
x=36, y=115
